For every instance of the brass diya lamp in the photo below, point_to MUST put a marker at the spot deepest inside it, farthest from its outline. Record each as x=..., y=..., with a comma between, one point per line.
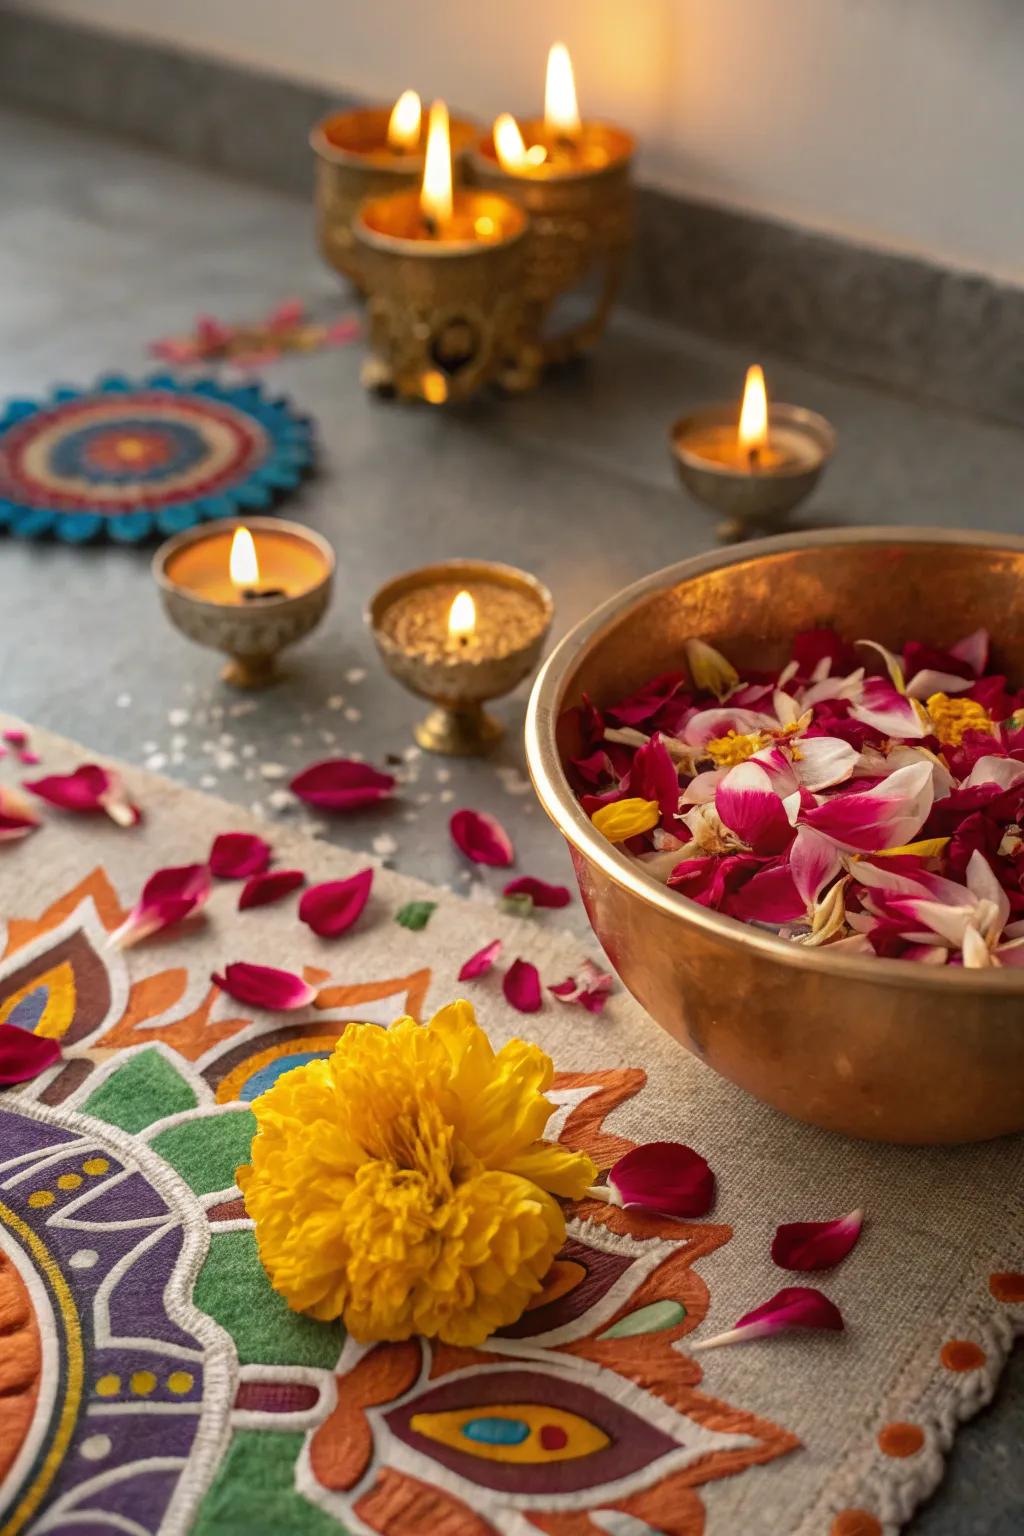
x=363, y=153
x=572, y=176
x=443, y=271
x=460, y=634
x=248, y=589
x=751, y=463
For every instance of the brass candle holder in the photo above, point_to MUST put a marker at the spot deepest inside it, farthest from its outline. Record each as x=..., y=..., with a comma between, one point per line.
x=445, y=314
x=460, y=634
x=572, y=177
x=355, y=160
x=278, y=596
x=753, y=462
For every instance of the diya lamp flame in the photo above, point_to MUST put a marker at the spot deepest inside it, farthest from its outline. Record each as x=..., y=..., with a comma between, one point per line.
x=561, y=110
x=404, y=123
x=508, y=143
x=244, y=568
x=753, y=427
x=462, y=619
x=436, y=200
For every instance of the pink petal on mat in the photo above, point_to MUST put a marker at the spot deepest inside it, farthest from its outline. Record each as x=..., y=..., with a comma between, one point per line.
x=480, y=963
x=590, y=987
x=481, y=838
x=16, y=738
x=24, y=1055
x=237, y=855
x=663, y=1177
x=17, y=818
x=796, y=1306
x=89, y=788
x=29, y=758
x=331, y=909
x=340, y=784
x=521, y=986
x=261, y=890
x=816, y=1244
x=263, y=986
x=540, y=892
x=167, y=897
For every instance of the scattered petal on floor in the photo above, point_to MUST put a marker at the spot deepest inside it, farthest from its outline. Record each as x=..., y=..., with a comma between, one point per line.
x=24, y=1055
x=342, y=784
x=168, y=897
x=521, y=986
x=797, y=1306
x=330, y=909
x=481, y=838
x=263, y=986
x=816, y=1244
x=540, y=892
x=664, y=1177
x=237, y=855
x=480, y=963
x=261, y=890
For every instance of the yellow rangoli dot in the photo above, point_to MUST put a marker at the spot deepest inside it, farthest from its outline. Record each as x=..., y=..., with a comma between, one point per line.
x=40, y=1197
x=179, y=1382
x=107, y=1386
x=95, y=1165
x=69, y=1181
x=142, y=1383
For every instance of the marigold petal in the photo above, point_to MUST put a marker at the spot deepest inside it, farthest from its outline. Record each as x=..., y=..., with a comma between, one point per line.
x=626, y=818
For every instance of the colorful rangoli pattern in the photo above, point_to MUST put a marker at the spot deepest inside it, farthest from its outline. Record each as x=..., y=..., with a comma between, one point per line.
x=154, y=1381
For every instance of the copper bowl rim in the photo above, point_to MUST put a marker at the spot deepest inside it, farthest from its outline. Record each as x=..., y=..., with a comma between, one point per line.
x=164, y=552
x=558, y=800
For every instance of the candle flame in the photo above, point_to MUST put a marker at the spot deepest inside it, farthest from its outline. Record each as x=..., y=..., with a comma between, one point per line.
x=436, y=196
x=561, y=112
x=508, y=143
x=753, y=430
x=404, y=122
x=462, y=617
x=243, y=565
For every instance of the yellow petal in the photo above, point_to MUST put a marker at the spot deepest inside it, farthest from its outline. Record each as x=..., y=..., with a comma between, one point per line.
x=709, y=668
x=927, y=848
x=558, y=1169
x=625, y=818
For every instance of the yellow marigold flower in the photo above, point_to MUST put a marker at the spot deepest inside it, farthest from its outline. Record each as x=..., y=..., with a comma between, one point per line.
x=951, y=719
x=403, y=1184
x=732, y=748
x=625, y=818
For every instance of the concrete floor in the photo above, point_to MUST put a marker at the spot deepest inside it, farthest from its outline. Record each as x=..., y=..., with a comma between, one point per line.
x=103, y=248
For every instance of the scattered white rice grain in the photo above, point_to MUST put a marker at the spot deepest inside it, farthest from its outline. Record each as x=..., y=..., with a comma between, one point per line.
x=156, y=761
x=245, y=707
x=149, y=746
x=282, y=799
x=336, y=701
x=409, y=816
x=224, y=760
x=226, y=739
x=258, y=810
x=442, y=775
x=353, y=714
x=216, y=711
x=384, y=845
x=124, y=701
x=424, y=799
x=273, y=770
x=355, y=674
x=294, y=740
x=207, y=781
x=513, y=782
x=178, y=717
x=446, y=796
x=179, y=742
x=328, y=737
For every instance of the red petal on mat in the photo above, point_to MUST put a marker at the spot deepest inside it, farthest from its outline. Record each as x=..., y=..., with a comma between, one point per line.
x=481, y=838
x=540, y=892
x=816, y=1244
x=17, y=818
x=590, y=987
x=236, y=855
x=263, y=986
x=167, y=897
x=340, y=784
x=261, y=890
x=16, y=738
x=664, y=1177
x=29, y=758
x=480, y=963
x=521, y=986
x=797, y=1306
x=89, y=788
x=331, y=909
x=24, y=1055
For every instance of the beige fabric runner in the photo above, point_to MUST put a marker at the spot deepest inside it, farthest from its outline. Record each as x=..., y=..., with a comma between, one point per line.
x=940, y=1224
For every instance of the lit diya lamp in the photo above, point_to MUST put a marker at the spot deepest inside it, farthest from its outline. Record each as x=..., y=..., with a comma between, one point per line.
x=754, y=462
x=249, y=590
x=364, y=153
x=572, y=175
x=460, y=634
x=443, y=268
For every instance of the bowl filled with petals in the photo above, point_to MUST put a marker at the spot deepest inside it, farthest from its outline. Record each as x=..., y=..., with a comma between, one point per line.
x=791, y=779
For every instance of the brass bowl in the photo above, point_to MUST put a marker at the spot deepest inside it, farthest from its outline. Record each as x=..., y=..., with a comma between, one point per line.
x=883, y=1049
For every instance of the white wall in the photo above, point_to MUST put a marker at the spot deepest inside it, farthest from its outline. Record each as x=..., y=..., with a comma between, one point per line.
x=896, y=122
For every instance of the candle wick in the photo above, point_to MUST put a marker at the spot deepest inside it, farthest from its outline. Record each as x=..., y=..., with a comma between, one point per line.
x=754, y=458
x=430, y=225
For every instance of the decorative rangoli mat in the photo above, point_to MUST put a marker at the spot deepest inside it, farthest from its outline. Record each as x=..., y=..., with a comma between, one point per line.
x=132, y=459
x=150, y=1379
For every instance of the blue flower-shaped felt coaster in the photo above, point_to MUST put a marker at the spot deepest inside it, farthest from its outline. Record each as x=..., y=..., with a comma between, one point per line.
x=130, y=459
